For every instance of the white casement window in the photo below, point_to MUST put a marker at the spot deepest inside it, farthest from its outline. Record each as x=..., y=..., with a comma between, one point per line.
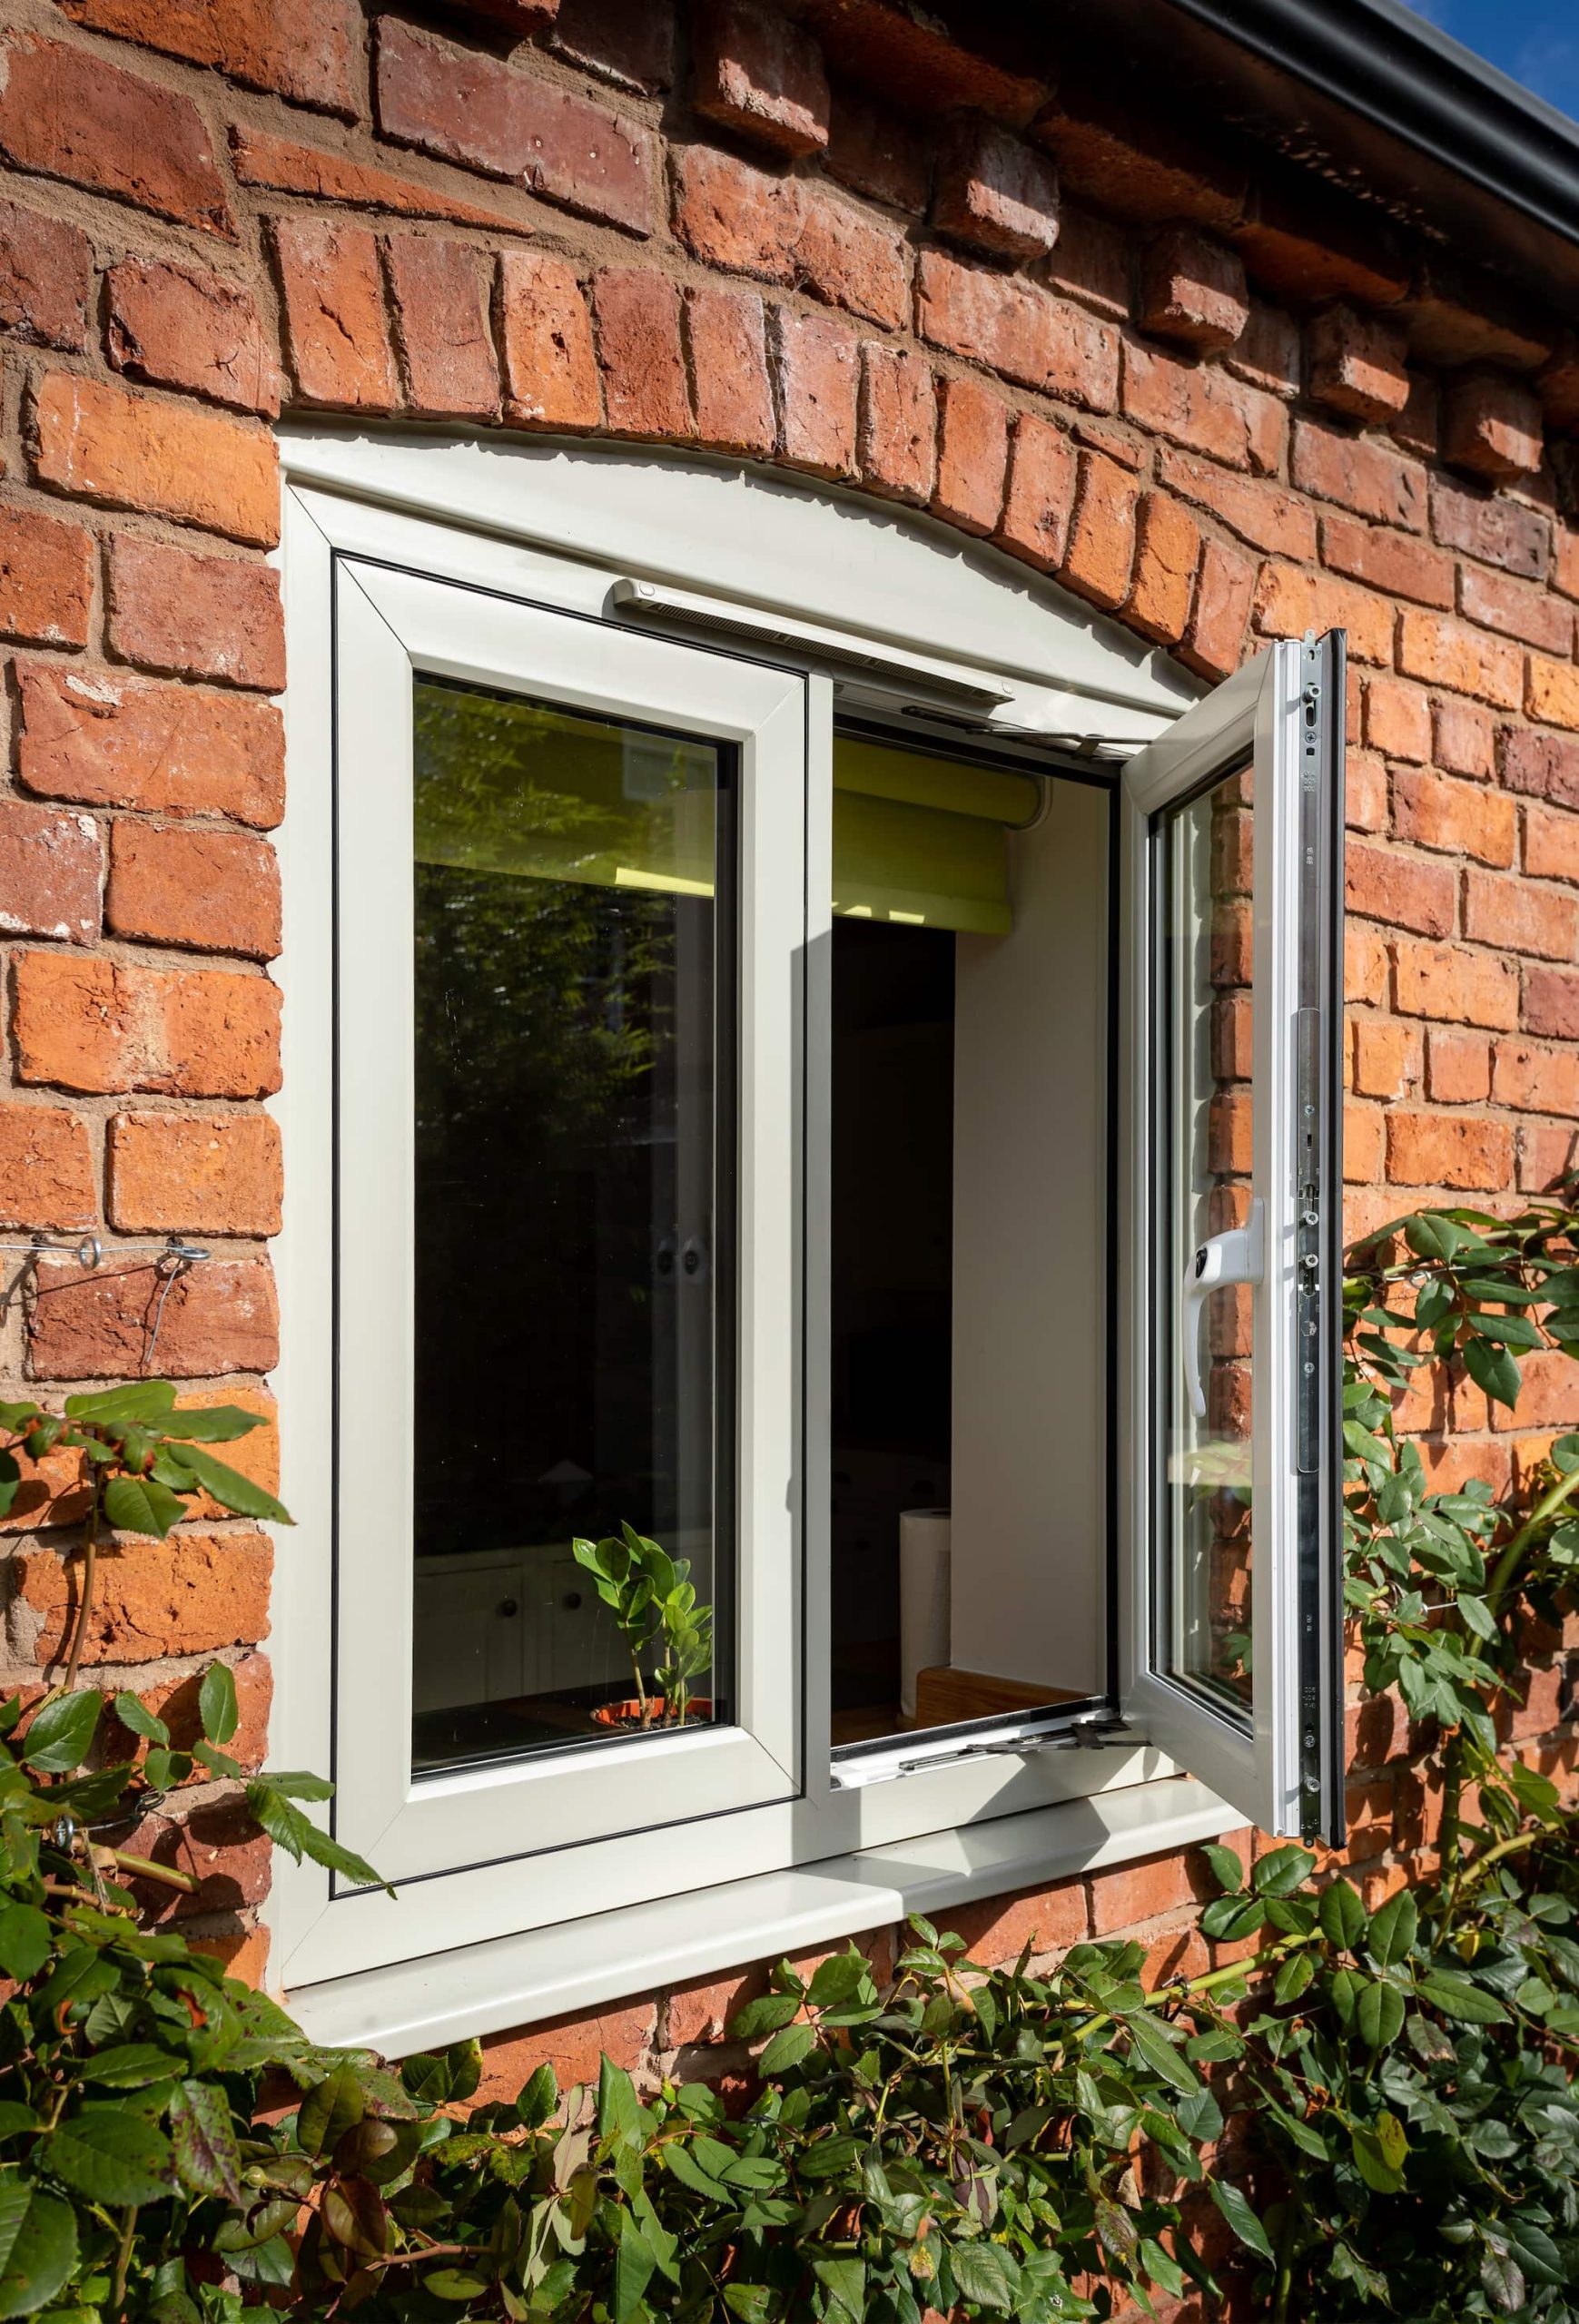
x=804, y=1042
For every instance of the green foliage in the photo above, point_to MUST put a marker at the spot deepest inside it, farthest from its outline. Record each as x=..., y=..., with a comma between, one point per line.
x=653, y=1604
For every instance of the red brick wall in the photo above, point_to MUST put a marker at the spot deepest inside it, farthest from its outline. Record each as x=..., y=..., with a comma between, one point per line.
x=1204, y=393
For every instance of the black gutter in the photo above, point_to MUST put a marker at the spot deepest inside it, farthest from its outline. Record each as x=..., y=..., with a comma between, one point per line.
x=1380, y=60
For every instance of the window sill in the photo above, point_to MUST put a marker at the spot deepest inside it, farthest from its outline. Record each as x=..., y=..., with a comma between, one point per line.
x=584, y=1964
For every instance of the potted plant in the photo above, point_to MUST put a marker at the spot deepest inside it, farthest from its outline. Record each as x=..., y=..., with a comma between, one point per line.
x=655, y=1607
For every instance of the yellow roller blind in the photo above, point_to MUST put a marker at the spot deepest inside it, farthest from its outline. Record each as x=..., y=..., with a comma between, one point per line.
x=508, y=786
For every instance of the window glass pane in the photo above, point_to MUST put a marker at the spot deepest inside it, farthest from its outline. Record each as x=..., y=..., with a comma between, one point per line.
x=1207, y=1113
x=574, y=970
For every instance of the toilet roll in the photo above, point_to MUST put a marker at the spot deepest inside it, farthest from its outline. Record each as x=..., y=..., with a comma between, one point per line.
x=924, y=1598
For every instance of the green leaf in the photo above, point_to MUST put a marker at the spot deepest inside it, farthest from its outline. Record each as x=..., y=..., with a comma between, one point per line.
x=25, y=1941
x=231, y=1489
x=1233, y=1917
x=1380, y=2151
x=764, y=2015
x=1380, y=2015
x=1227, y=1869
x=1431, y=1236
x=1159, y=2053
x=1502, y=2278
x=845, y=2283
x=1240, y=2216
x=204, y=2140
x=219, y=1424
x=634, y=2263
x=111, y=2155
x=216, y=1703
x=1283, y=1871
x=452, y=2283
x=10, y=1477
x=333, y=2107
x=786, y=2049
x=15, y=1416
x=138, y=1720
x=1342, y=1915
x=986, y=2275
x=138, y=1400
x=1456, y=1997
x=141, y=1505
x=836, y=1980
x=62, y=1733
x=1493, y=1369
x=618, y=2108
x=1393, y=1930
x=128, y=2065
x=38, y=2246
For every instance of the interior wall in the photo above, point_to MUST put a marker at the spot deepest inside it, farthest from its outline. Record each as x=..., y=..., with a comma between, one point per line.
x=1030, y=1261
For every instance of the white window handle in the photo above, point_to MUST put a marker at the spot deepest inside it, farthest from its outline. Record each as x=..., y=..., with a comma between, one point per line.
x=1237, y=1256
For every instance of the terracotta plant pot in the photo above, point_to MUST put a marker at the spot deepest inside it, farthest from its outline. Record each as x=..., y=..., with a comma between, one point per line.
x=625, y=1716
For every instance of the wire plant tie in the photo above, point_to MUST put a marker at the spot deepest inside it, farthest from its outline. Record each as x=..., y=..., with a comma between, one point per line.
x=172, y=1259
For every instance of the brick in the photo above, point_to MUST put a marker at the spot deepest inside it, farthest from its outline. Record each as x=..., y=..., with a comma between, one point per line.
x=703, y=2010
x=1358, y=363
x=972, y=455
x=1520, y=916
x=1385, y=1056
x=1225, y=589
x=760, y=74
x=1458, y=1067
x=1365, y=791
x=1517, y=611
x=1552, y=1003
x=992, y=193
x=113, y=741
x=337, y=332
x=1549, y=1396
x=1548, y=1155
x=94, y=1025
x=72, y=115
x=1448, y=1150
x=1535, y=1080
x=1552, y=692
x=176, y=328
x=177, y=1174
x=1267, y=354
x=216, y=891
x=46, y=1168
x=219, y=1316
x=1260, y=512
x=1289, y=601
x=476, y=110
x=1192, y=289
x=1496, y=530
x=1491, y=425
x=898, y=424
x=1369, y=479
x=440, y=296
x=1046, y=1920
x=1362, y=1144
x=1546, y=766
x=196, y=1594
x=1090, y=262
x=633, y=47
x=1100, y=556
x=308, y=50
x=726, y=343
x=1463, y=737
x=1457, y=818
x=573, y=2045
x=876, y=151
x=1168, y=551
x=732, y=214
x=522, y=19
x=195, y=616
x=130, y=450
x=638, y=315
x=1364, y=966
x=1034, y=525
x=1454, y=986
x=1018, y=330
x=1566, y=561
x=550, y=365
x=285, y=166
x=1416, y=428
x=1448, y=652
x=1404, y=891
x=1398, y=719
x=1551, y=844
x=51, y=870
x=1399, y=565
x=850, y=259
x=219, y=1846
x=46, y=578
x=1142, y=173
x=46, y=277
x=1134, y=1893
x=1204, y=409
x=176, y=1702
x=816, y=357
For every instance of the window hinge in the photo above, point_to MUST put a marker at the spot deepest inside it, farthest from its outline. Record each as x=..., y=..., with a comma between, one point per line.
x=1095, y=1732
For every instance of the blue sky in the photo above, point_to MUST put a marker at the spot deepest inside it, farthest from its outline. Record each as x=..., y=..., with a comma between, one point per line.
x=1533, y=41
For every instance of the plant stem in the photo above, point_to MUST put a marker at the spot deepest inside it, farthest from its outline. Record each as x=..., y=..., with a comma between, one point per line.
x=85, y=1602
x=1287, y=2251
x=123, y=2260
x=143, y=1868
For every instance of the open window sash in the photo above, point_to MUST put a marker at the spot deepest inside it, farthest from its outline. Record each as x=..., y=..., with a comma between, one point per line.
x=1233, y=836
